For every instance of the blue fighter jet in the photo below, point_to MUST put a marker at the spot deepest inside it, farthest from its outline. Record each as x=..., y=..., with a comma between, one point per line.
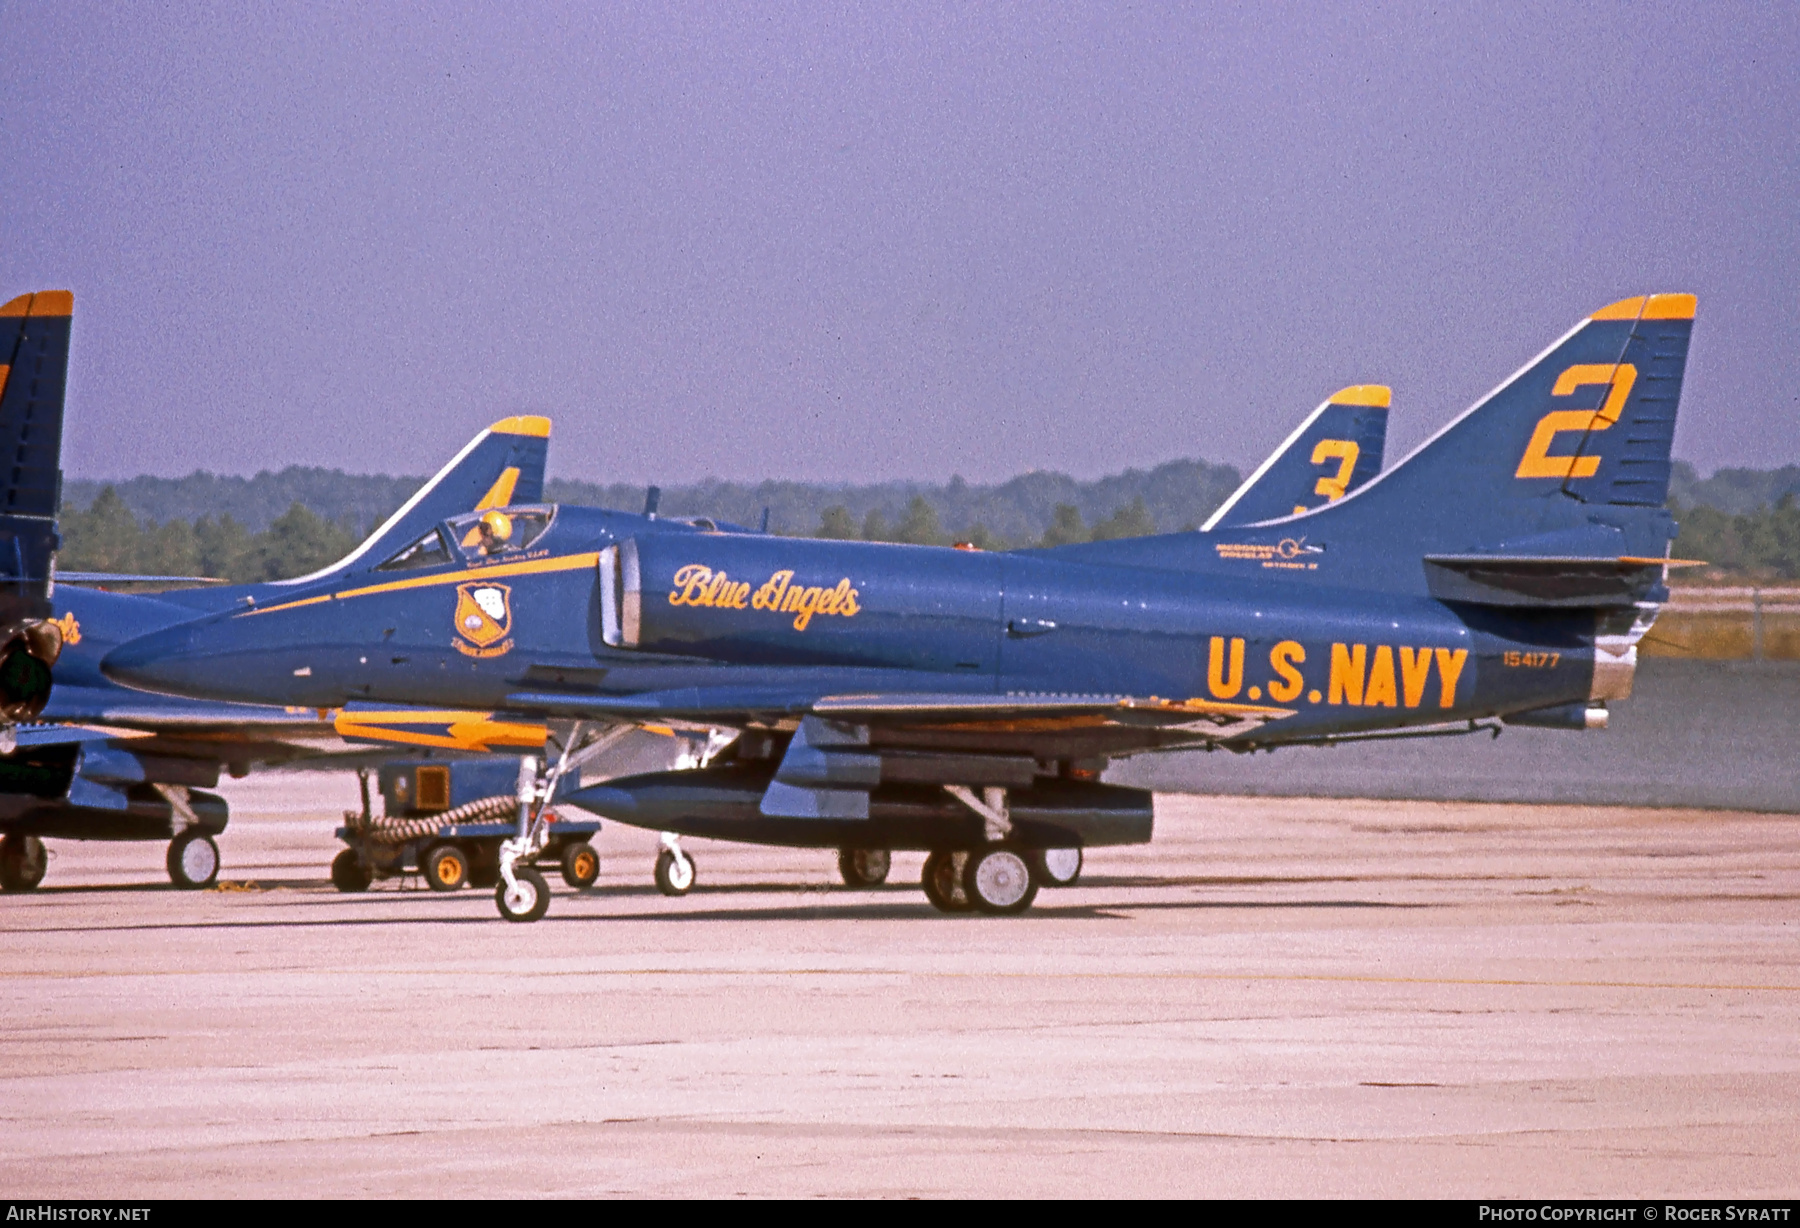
x=1335, y=449
x=964, y=703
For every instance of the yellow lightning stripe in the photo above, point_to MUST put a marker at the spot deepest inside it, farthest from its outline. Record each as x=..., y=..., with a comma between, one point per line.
x=462, y=730
x=568, y=562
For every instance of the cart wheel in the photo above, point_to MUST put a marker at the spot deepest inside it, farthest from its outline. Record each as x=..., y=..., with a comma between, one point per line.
x=348, y=872
x=193, y=860
x=580, y=865
x=22, y=863
x=674, y=872
x=446, y=867
x=529, y=898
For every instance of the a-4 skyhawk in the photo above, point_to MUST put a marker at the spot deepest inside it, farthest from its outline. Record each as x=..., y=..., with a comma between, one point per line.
x=964, y=703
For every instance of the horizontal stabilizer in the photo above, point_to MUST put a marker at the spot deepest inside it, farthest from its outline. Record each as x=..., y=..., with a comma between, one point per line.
x=1545, y=582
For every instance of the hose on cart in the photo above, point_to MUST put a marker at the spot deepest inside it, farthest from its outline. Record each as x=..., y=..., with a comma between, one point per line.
x=398, y=831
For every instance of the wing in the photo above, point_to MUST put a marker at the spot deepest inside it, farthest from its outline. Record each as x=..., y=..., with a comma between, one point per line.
x=1049, y=726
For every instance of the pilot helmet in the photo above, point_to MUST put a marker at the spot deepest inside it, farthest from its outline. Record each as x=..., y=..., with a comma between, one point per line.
x=499, y=524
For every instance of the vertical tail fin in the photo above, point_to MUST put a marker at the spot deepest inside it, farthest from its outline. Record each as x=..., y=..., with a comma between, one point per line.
x=1334, y=451
x=1567, y=462
x=500, y=467
x=34, y=371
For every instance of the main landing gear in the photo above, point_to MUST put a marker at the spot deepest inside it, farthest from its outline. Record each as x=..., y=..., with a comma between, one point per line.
x=23, y=860
x=996, y=880
x=193, y=860
x=864, y=867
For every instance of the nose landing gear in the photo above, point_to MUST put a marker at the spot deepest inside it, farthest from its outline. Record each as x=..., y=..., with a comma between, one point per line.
x=526, y=898
x=674, y=868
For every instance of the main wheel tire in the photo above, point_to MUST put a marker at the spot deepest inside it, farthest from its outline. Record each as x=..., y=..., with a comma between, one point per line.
x=527, y=900
x=348, y=873
x=580, y=865
x=675, y=874
x=864, y=867
x=23, y=860
x=943, y=882
x=446, y=867
x=193, y=860
x=1056, y=867
x=999, y=882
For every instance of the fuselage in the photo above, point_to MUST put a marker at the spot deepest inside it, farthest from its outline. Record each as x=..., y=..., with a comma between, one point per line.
x=610, y=604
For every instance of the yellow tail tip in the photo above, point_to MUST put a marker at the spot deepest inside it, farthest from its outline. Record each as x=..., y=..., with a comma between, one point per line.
x=524, y=425
x=1650, y=307
x=1375, y=396
x=43, y=303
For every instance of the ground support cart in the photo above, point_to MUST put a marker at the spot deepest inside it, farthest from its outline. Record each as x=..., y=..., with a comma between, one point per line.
x=446, y=822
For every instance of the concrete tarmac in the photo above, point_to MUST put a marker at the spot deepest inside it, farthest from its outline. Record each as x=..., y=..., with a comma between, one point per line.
x=1276, y=998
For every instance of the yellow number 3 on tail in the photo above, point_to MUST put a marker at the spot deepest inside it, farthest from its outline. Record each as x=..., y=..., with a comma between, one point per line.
x=1537, y=461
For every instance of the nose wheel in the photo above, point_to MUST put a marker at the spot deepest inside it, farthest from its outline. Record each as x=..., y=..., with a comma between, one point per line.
x=526, y=898
x=674, y=871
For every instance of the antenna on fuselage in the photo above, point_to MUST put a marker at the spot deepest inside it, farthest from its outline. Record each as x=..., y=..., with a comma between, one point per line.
x=652, y=497
x=765, y=521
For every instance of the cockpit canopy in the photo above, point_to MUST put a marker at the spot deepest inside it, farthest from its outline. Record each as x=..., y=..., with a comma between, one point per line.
x=476, y=536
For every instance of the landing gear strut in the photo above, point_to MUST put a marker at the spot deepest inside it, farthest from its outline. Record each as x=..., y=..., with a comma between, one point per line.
x=996, y=878
x=521, y=893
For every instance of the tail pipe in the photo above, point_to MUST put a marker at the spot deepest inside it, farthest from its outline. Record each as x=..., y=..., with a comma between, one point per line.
x=1616, y=636
x=29, y=651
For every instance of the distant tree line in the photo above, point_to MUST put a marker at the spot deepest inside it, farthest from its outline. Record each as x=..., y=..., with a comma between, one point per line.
x=1743, y=523
x=920, y=526
x=108, y=537
x=1759, y=545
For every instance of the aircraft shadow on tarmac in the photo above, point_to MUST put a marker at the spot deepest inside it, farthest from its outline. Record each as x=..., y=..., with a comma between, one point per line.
x=840, y=908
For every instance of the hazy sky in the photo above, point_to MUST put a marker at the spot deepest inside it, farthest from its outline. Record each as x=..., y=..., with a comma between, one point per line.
x=891, y=242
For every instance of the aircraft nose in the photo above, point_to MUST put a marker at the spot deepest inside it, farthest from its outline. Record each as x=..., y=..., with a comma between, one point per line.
x=161, y=661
